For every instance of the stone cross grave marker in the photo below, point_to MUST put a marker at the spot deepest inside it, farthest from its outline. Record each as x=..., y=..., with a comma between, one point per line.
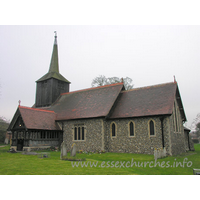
x=73, y=150
x=63, y=150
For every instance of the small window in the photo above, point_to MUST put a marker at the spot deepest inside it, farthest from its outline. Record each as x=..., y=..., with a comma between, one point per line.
x=113, y=129
x=75, y=133
x=79, y=133
x=83, y=133
x=151, y=128
x=131, y=129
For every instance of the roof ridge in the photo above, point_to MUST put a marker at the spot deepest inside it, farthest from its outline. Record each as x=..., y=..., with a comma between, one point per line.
x=25, y=107
x=93, y=88
x=146, y=87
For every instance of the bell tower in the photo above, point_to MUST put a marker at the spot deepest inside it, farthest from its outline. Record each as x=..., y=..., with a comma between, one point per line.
x=51, y=85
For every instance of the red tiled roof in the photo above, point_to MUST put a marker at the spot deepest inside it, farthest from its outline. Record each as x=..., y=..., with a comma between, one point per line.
x=88, y=103
x=35, y=118
x=105, y=101
x=146, y=101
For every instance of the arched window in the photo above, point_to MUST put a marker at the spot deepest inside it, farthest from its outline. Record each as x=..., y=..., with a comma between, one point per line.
x=151, y=128
x=83, y=134
x=75, y=133
x=113, y=127
x=79, y=132
x=131, y=129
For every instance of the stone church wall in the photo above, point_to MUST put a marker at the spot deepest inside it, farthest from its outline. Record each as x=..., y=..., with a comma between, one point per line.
x=98, y=135
x=191, y=144
x=186, y=135
x=93, y=140
x=177, y=136
x=177, y=141
x=141, y=142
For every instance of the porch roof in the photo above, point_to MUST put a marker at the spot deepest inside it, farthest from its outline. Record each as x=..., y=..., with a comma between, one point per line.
x=34, y=118
x=38, y=119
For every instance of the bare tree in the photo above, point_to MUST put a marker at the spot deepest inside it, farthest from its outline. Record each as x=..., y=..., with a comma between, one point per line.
x=128, y=83
x=102, y=80
x=113, y=80
x=99, y=81
x=197, y=132
x=195, y=122
x=195, y=126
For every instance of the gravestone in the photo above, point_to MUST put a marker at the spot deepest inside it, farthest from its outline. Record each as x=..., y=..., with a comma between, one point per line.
x=159, y=153
x=6, y=141
x=155, y=154
x=73, y=150
x=63, y=150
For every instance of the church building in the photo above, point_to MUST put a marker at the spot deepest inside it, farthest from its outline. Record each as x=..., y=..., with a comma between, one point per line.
x=107, y=118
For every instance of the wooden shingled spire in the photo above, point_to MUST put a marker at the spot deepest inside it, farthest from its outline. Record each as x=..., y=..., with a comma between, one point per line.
x=54, y=65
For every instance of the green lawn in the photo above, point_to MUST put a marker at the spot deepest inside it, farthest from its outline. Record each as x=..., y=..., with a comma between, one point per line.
x=18, y=164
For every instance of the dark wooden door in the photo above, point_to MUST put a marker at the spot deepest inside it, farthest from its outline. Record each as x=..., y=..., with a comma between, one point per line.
x=20, y=144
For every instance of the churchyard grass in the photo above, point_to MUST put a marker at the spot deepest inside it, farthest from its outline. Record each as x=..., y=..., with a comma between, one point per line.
x=19, y=164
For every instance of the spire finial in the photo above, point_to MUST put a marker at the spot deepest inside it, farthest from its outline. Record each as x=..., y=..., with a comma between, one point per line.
x=55, y=34
x=122, y=80
x=55, y=41
x=19, y=102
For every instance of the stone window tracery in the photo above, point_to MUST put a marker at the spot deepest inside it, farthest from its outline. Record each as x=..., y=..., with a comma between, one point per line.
x=79, y=132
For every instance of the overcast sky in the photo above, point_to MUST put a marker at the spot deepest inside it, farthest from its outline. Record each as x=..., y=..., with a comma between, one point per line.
x=149, y=55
